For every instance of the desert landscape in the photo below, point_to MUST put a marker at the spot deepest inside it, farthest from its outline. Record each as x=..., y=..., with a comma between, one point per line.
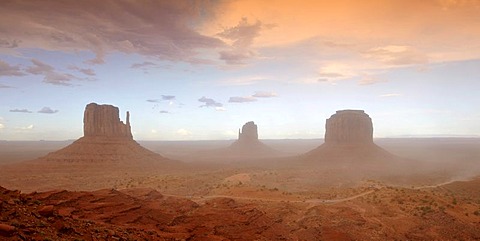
x=107, y=186
x=239, y=120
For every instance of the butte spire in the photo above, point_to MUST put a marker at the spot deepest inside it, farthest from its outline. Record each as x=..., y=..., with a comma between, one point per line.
x=106, y=139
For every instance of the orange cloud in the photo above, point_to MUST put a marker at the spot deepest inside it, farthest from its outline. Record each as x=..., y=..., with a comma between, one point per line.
x=438, y=28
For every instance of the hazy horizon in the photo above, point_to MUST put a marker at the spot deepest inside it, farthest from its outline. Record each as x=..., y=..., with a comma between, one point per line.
x=263, y=139
x=199, y=70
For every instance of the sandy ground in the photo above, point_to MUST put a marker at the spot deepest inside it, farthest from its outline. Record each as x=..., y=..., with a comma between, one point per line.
x=439, y=199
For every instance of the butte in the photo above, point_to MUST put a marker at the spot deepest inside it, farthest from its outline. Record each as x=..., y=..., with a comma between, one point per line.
x=106, y=140
x=246, y=148
x=248, y=143
x=349, y=145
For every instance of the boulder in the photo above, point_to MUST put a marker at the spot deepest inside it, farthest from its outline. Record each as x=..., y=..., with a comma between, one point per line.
x=46, y=211
x=6, y=230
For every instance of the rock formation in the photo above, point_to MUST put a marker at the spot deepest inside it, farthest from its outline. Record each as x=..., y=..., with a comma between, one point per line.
x=103, y=120
x=246, y=148
x=106, y=139
x=349, y=127
x=349, y=144
x=248, y=143
x=249, y=132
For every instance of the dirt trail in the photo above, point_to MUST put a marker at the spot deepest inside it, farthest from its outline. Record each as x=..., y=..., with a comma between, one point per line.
x=436, y=185
x=308, y=201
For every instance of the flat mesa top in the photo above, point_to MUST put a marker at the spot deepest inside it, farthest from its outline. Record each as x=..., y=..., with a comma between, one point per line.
x=350, y=111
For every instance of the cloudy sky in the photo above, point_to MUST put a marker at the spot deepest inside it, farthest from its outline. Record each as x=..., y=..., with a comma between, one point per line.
x=201, y=69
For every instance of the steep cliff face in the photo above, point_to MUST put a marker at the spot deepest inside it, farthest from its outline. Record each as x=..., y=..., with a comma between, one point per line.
x=349, y=127
x=103, y=120
x=248, y=144
x=106, y=139
x=349, y=144
x=249, y=132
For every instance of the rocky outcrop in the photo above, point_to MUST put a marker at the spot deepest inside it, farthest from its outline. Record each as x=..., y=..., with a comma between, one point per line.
x=106, y=139
x=349, y=145
x=249, y=132
x=103, y=120
x=248, y=144
x=134, y=214
x=246, y=148
x=349, y=127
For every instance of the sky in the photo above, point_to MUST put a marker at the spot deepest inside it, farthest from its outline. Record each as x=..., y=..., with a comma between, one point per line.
x=199, y=70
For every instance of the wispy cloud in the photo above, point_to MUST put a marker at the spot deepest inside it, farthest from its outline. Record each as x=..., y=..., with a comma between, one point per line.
x=240, y=38
x=391, y=95
x=164, y=112
x=47, y=110
x=208, y=102
x=21, y=111
x=235, y=57
x=252, y=98
x=264, y=94
x=333, y=71
x=10, y=70
x=183, y=132
x=9, y=44
x=397, y=55
x=243, y=34
x=49, y=73
x=2, y=126
x=2, y=86
x=240, y=99
x=89, y=72
x=25, y=128
x=370, y=80
x=168, y=97
x=142, y=65
x=164, y=98
x=243, y=80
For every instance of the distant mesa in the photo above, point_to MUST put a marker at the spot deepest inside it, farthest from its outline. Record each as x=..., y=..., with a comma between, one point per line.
x=349, y=143
x=349, y=127
x=106, y=139
x=248, y=143
x=249, y=132
x=246, y=148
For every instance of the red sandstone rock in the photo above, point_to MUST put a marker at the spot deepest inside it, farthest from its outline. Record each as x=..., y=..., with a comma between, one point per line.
x=349, y=145
x=6, y=230
x=107, y=139
x=249, y=132
x=103, y=120
x=46, y=211
x=349, y=127
x=248, y=143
